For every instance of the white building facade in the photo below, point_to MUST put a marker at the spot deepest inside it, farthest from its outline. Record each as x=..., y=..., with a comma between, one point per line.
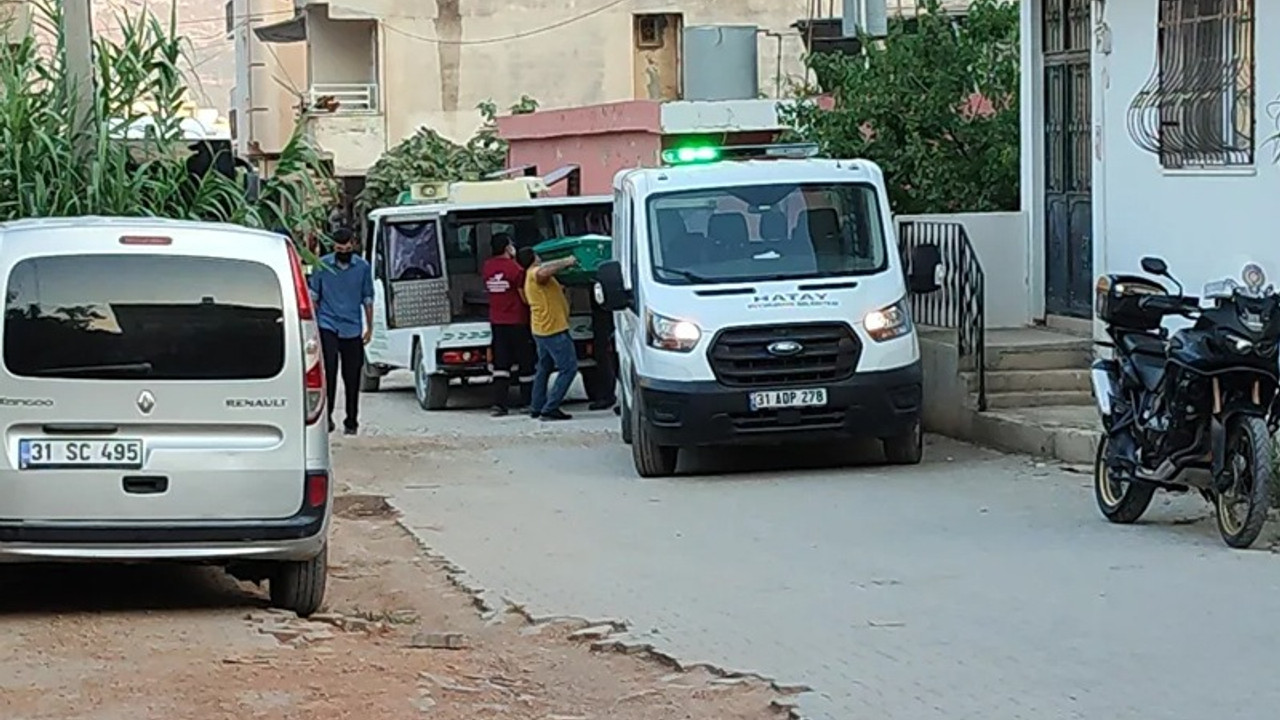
x=1147, y=129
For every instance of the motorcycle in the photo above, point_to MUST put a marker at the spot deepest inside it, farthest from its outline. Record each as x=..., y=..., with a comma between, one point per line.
x=1194, y=410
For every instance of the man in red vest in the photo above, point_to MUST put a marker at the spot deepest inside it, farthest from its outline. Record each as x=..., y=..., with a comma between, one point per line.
x=512, y=342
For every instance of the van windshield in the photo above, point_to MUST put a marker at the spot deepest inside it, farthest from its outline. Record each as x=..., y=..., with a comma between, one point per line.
x=766, y=232
x=159, y=317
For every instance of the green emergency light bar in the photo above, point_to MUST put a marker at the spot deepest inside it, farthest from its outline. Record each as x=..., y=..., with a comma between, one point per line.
x=702, y=154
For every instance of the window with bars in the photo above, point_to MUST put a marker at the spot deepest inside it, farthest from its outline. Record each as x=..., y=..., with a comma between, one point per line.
x=1198, y=109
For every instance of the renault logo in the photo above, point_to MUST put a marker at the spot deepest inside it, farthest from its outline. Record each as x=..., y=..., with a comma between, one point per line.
x=146, y=402
x=785, y=348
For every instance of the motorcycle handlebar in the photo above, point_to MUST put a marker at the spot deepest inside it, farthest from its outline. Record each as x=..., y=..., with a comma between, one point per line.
x=1170, y=304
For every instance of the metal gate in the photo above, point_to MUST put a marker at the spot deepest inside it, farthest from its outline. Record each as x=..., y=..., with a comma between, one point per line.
x=1068, y=157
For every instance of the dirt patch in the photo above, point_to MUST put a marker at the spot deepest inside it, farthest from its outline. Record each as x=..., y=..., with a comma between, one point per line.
x=354, y=506
x=396, y=640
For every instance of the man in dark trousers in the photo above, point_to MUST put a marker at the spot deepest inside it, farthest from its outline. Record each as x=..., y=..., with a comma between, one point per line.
x=343, y=290
x=605, y=355
x=509, y=322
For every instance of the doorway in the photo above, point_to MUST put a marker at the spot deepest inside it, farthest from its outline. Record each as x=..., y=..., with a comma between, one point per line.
x=1068, y=154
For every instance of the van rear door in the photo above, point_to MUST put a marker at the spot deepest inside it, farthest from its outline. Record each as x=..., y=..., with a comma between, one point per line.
x=161, y=380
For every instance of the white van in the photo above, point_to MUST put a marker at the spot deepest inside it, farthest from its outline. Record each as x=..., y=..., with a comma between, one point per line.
x=163, y=399
x=761, y=301
x=431, y=311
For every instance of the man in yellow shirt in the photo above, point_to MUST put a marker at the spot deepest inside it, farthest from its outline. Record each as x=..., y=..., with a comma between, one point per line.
x=549, y=320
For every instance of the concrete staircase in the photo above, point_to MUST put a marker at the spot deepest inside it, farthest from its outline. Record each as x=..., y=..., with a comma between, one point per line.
x=1039, y=398
x=1035, y=368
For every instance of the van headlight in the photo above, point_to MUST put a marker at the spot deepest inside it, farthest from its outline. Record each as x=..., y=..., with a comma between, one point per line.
x=666, y=333
x=888, y=323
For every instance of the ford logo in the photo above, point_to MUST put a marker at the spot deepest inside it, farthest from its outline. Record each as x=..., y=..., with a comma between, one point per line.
x=784, y=348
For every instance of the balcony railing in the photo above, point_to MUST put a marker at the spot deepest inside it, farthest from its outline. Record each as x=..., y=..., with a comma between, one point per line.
x=343, y=98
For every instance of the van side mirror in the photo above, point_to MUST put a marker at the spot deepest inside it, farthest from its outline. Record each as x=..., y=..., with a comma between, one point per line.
x=925, y=261
x=611, y=294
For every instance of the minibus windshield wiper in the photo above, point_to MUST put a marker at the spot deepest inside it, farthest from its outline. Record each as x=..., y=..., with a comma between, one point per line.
x=685, y=274
x=137, y=368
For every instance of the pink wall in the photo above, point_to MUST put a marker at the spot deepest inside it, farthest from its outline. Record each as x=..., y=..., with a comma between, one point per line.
x=603, y=139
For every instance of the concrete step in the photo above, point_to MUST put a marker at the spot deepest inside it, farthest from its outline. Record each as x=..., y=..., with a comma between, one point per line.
x=1030, y=380
x=1068, y=433
x=1030, y=399
x=1054, y=356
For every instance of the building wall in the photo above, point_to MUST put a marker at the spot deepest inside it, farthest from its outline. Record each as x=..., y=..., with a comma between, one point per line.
x=349, y=55
x=1208, y=223
x=269, y=78
x=587, y=61
x=601, y=139
x=437, y=60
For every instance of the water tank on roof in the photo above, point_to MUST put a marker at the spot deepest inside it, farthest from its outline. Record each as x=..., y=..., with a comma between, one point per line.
x=721, y=62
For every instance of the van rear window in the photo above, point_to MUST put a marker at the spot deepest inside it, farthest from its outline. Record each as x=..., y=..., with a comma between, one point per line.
x=160, y=317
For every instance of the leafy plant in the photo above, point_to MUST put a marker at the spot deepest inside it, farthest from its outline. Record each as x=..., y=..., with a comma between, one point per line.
x=935, y=104
x=427, y=155
x=129, y=157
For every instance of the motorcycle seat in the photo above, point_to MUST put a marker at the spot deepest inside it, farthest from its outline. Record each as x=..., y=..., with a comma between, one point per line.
x=1140, y=344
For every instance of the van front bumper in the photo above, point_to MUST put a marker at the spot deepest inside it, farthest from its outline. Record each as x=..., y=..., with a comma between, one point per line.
x=868, y=405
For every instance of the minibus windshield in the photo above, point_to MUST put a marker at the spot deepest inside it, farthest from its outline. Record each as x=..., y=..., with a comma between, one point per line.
x=766, y=232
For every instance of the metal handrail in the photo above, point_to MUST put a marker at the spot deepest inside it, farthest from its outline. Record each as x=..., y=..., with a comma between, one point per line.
x=350, y=97
x=960, y=303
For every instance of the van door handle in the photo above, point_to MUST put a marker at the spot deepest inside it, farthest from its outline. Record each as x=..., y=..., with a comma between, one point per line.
x=145, y=484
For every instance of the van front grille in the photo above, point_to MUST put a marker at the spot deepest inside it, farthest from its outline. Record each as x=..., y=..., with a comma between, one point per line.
x=826, y=352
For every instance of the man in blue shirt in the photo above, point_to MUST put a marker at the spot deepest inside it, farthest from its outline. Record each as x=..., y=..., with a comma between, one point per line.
x=343, y=290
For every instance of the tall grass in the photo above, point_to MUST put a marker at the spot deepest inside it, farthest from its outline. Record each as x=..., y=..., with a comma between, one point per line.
x=55, y=162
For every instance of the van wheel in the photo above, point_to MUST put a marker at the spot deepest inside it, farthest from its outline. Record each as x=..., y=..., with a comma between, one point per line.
x=625, y=416
x=432, y=390
x=650, y=458
x=906, y=448
x=370, y=378
x=299, y=586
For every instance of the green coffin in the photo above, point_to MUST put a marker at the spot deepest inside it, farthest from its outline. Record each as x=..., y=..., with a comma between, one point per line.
x=591, y=250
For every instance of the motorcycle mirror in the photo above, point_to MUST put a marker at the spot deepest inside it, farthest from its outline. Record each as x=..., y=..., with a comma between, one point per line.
x=1155, y=266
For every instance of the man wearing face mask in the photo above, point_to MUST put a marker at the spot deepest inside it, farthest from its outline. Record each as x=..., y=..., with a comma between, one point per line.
x=343, y=291
x=509, y=321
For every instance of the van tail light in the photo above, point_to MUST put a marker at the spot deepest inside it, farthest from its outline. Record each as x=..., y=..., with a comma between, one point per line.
x=317, y=488
x=313, y=383
x=312, y=356
x=301, y=291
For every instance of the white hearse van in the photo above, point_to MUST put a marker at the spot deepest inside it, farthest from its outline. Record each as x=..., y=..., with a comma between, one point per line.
x=431, y=312
x=760, y=298
x=163, y=399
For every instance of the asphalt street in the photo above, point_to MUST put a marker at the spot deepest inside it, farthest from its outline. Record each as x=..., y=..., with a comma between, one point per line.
x=976, y=585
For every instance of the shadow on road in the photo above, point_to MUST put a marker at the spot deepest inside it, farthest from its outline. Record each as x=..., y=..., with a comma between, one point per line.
x=67, y=587
x=705, y=463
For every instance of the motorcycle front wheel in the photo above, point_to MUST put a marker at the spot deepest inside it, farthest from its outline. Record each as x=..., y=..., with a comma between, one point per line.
x=1242, y=508
x=1121, y=501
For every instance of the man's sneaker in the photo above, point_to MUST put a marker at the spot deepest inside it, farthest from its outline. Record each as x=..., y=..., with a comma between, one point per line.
x=498, y=411
x=535, y=414
x=349, y=431
x=555, y=415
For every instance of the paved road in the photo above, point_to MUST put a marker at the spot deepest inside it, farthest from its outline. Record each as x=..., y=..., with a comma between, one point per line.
x=977, y=585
